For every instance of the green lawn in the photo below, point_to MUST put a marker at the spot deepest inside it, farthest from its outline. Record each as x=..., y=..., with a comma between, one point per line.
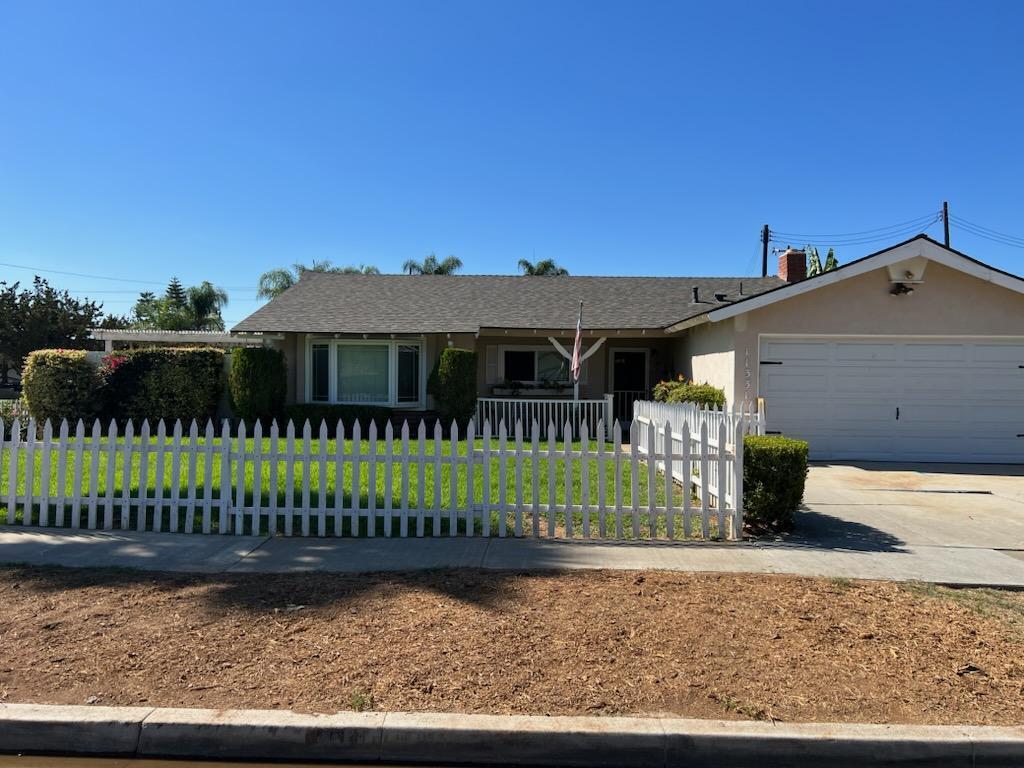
x=290, y=491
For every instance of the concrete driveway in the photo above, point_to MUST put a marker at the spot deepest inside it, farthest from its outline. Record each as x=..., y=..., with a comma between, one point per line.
x=874, y=506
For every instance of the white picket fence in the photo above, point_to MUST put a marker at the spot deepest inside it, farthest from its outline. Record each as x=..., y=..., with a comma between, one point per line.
x=541, y=411
x=695, y=421
x=406, y=485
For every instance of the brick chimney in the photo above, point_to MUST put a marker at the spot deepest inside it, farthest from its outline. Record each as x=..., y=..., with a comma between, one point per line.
x=793, y=265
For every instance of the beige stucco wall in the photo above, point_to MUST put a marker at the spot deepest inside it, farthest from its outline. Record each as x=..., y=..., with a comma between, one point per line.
x=707, y=355
x=948, y=303
x=661, y=358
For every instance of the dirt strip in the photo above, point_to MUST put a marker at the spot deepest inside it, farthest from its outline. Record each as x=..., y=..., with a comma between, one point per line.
x=692, y=645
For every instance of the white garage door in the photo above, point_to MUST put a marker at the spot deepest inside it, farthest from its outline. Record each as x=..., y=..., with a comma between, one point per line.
x=897, y=399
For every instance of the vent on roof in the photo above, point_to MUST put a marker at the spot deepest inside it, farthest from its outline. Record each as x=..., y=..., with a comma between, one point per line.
x=719, y=297
x=696, y=294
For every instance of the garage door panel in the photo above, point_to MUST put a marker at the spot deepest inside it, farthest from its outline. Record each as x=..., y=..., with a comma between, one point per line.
x=857, y=352
x=788, y=350
x=855, y=380
x=945, y=354
x=998, y=353
x=957, y=400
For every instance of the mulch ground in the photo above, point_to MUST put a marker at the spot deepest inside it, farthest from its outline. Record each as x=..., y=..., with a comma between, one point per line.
x=694, y=645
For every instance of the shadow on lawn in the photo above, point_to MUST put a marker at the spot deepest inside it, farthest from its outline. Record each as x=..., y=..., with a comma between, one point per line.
x=273, y=593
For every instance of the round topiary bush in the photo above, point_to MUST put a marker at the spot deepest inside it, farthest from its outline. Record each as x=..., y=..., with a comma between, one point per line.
x=60, y=384
x=774, y=473
x=257, y=382
x=679, y=390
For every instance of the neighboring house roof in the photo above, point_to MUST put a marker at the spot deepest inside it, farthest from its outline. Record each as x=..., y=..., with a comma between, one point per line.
x=324, y=302
x=920, y=245
x=222, y=338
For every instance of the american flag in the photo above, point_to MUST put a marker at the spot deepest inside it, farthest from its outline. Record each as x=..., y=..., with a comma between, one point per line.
x=577, y=347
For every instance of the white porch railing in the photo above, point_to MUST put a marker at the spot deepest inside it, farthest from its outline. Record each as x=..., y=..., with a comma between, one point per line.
x=530, y=410
x=691, y=427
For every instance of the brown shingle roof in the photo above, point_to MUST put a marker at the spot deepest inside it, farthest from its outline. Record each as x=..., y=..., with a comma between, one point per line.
x=336, y=303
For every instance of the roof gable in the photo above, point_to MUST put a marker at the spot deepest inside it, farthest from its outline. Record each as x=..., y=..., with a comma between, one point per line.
x=919, y=246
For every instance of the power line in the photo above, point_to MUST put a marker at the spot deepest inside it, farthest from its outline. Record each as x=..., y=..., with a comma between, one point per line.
x=789, y=238
x=105, y=277
x=918, y=221
x=988, y=233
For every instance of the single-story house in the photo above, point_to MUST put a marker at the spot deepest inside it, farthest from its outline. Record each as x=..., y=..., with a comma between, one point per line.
x=915, y=352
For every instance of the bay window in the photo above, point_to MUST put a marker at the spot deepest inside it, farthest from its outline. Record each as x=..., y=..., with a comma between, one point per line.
x=366, y=372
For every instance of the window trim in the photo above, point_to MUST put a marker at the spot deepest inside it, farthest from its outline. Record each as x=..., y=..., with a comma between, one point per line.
x=332, y=372
x=503, y=348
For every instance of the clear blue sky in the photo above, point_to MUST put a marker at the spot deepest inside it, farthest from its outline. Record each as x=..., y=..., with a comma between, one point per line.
x=215, y=140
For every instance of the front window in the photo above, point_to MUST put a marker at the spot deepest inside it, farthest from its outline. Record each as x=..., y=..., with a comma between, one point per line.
x=408, y=373
x=372, y=373
x=320, y=380
x=363, y=373
x=535, y=366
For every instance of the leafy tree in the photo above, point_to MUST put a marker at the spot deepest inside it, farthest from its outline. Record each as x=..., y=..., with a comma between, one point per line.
x=276, y=281
x=543, y=267
x=814, y=265
x=197, y=308
x=432, y=266
x=41, y=317
x=205, y=302
x=114, y=322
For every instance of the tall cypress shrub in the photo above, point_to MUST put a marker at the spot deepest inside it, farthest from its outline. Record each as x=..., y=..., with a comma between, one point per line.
x=257, y=383
x=452, y=384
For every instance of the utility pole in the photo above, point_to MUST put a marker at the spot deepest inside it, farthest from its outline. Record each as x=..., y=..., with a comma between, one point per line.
x=765, y=235
x=945, y=221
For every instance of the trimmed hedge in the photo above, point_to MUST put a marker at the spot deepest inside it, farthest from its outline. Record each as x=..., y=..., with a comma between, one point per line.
x=679, y=390
x=166, y=383
x=317, y=412
x=452, y=384
x=774, y=473
x=257, y=383
x=60, y=384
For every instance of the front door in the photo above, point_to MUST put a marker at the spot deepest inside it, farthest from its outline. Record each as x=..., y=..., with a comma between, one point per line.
x=629, y=380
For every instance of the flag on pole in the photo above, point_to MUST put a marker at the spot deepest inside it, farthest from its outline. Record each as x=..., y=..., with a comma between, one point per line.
x=577, y=347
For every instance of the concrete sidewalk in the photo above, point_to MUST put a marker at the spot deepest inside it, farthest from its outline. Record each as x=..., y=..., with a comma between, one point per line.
x=259, y=554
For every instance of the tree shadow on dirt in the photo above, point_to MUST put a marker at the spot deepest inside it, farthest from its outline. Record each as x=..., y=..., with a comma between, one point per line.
x=264, y=593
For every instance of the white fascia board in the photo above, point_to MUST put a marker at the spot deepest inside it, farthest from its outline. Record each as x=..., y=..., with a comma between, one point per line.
x=920, y=247
x=688, y=323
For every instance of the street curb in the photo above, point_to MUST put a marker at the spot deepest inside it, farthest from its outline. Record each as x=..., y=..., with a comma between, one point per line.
x=493, y=739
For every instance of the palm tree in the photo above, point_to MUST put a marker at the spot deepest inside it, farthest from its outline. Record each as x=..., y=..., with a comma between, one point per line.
x=544, y=267
x=204, y=304
x=276, y=281
x=431, y=266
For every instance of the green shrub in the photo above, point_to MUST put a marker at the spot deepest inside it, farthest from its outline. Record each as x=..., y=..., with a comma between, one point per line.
x=166, y=383
x=452, y=383
x=317, y=412
x=774, y=472
x=11, y=409
x=679, y=390
x=60, y=384
x=257, y=383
